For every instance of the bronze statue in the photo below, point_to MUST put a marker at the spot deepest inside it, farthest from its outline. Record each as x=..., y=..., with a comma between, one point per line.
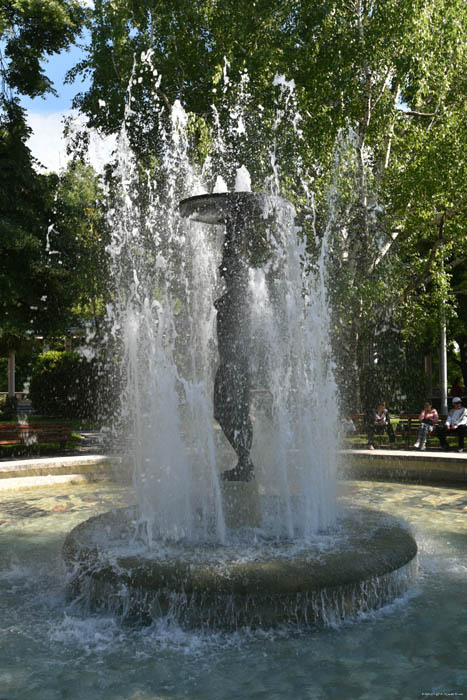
x=248, y=218
x=232, y=382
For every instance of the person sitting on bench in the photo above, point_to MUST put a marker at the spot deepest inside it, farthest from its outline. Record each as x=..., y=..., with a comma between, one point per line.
x=377, y=422
x=456, y=424
x=428, y=418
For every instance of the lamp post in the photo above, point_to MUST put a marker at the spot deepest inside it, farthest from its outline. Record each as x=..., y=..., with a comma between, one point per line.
x=443, y=361
x=443, y=365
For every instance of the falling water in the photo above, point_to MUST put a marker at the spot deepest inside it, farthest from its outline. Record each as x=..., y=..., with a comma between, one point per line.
x=165, y=272
x=295, y=445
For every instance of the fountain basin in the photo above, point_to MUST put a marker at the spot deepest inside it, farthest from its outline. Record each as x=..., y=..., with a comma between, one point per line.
x=369, y=560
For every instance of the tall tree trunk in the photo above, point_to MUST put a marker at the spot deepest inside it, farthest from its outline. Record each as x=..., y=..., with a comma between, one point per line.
x=443, y=369
x=11, y=373
x=462, y=342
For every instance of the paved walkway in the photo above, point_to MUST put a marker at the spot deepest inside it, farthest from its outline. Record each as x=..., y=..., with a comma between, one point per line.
x=430, y=453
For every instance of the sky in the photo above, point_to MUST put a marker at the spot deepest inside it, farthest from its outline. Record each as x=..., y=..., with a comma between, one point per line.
x=46, y=116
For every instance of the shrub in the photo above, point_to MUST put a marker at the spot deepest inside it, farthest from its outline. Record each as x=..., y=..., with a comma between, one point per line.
x=8, y=408
x=65, y=384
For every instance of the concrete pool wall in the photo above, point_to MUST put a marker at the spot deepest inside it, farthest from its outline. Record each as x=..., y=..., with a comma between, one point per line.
x=400, y=465
x=405, y=465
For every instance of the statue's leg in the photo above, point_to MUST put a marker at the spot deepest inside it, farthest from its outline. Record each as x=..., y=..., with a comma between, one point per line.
x=231, y=410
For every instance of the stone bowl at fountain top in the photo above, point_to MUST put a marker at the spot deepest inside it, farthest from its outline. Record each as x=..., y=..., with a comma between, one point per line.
x=220, y=207
x=255, y=220
x=365, y=562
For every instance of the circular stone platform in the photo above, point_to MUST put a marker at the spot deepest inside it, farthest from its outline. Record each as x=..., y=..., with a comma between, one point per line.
x=368, y=560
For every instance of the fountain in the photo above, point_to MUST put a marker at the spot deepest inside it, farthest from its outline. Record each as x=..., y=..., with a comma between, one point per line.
x=56, y=648
x=256, y=554
x=236, y=520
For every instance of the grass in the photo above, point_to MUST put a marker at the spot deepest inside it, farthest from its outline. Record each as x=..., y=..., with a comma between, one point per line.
x=45, y=449
x=75, y=423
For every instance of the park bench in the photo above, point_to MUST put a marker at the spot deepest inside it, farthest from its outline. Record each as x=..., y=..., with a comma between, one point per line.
x=358, y=419
x=405, y=428
x=408, y=425
x=26, y=435
x=359, y=437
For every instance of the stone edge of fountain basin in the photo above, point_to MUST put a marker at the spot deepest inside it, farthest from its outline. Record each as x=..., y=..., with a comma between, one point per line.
x=377, y=567
x=405, y=465
x=48, y=471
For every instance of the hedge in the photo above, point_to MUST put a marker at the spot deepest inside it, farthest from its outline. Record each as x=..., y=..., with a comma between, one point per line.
x=65, y=384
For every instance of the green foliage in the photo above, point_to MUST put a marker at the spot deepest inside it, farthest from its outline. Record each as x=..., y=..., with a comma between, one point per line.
x=34, y=294
x=384, y=80
x=389, y=75
x=65, y=385
x=34, y=290
x=31, y=30
x=52, y=275
x=81, y=237
x=458, y=325
x=26, y=351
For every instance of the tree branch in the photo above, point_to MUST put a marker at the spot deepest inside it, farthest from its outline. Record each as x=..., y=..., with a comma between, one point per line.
x=454, y=263
x=431, y=258
x=412, y=113
x=381, y=92
x=398, y=232
x=165, y=99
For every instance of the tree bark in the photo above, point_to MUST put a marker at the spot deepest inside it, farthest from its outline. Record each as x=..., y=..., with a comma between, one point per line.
x=11, y=373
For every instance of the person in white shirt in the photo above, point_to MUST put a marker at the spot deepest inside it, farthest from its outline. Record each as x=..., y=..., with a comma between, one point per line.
x=456, y=424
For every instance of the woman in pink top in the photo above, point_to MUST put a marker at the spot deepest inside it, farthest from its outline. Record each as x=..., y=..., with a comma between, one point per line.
x=428, y=419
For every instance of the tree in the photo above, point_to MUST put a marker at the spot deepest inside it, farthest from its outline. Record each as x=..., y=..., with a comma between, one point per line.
x=386, y=77
x=81, y=233
x=29, y=32
x=354, y=64
x=458, y=325
x=32, y=295
x=65, y=384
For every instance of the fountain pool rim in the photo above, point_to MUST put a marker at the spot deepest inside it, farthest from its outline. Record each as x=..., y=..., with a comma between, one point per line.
x=373, y=563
